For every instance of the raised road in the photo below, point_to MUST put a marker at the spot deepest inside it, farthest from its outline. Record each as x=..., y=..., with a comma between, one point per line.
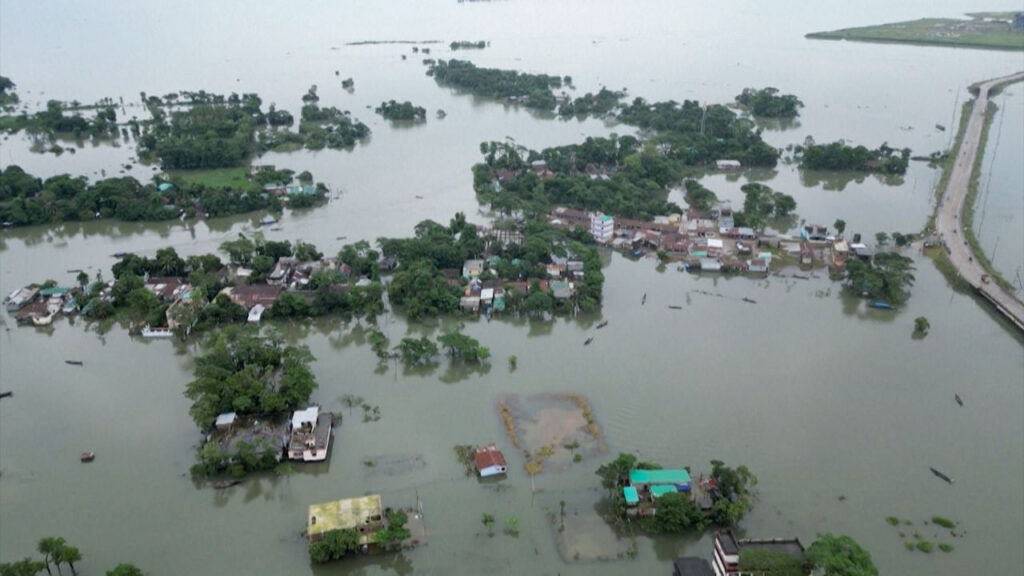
x=948, y=221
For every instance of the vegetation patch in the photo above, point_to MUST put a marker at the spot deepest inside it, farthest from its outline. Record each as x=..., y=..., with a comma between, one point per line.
x=769, y=103
x=987, y=30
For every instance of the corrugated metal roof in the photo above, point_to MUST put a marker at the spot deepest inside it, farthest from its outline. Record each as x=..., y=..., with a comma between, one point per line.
x=661, y=489
x=679, y=476
x=631, y=495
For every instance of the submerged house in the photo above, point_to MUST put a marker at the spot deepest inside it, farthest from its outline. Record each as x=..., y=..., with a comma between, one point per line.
x=691, y=566
x=365, y=515
x=489, y=461
x=646, y=486
x=310, y=435
x=728, y=551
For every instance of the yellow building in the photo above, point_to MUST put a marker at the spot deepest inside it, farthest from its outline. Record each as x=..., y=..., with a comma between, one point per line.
x=364, y=514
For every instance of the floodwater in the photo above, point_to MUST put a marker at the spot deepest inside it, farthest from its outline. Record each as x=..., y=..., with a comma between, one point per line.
x=999, y=212
x=836, y=409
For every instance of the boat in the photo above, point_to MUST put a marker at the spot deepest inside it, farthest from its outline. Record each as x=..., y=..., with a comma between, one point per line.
x=119, y=254
x=42, y=320
x=940, y=127
x=87, y=456
x=941, y=475
x=644, y=301
x=881, y=305
x=602, y=324
x=6, y=394
x=226, y=484
x=267, y=221
x=74, y=362
x=588, y=341
x=958, y=400
x=749, y=300
x=75, y=271
x=675, y=307
x=150, y=332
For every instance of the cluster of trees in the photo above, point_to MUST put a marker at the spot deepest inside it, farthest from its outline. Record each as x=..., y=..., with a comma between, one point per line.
x=760, y=203
x=8, y=97
x=768, y=103
x=246, y=373
x=634, y=183
x=334, y=545
x=466, y=45
x=330, y=128
x=28, y=200
x=840, y=156
x=699, y=197
x=533, y=90
x=420, y=288
x=887, y=278
x=53, y=122
x=677, y=512
x=829, y=555
x=392, y=110
x=57, y=551
x=589, y=104
x=247, y=456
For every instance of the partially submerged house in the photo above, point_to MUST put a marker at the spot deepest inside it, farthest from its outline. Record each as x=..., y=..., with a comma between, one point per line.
x=646, y=486
x=728, y=551
x=489, y=461
x=365, y=515
x=691, y=566
x=310, y=435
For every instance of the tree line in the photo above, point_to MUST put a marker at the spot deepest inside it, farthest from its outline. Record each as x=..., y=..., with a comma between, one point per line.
x=769, y=103
x=56, y=551
x=841, y=156
x=532, y=90
x=392, y=110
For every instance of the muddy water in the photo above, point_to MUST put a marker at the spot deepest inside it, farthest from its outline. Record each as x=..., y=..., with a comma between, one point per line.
x=837, y=410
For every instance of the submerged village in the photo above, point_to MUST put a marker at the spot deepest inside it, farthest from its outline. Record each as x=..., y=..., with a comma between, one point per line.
x=555, y=215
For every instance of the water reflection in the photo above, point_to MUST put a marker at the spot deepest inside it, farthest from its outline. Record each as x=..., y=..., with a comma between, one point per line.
x=778, y=124
x=837, y=181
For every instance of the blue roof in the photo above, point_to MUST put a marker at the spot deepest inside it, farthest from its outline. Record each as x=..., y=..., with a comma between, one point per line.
x=630, y=494
x=164, y=186
x=680, y=476
x=662, y=489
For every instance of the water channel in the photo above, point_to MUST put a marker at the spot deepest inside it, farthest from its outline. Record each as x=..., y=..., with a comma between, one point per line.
x=833, y=405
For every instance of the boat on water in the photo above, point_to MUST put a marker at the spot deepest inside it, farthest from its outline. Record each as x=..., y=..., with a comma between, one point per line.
x=119, y=254
x=881, y=305
x=222, y=484
x=940, y=127
x=941, y=475
x=749, y=300
x=958, y=400
x=268, y=221
x=74, y=362
x=87, y=456
x=675, y=307
x=602, y=324
x=588, y=341
x=6, y=394
x=150, y=332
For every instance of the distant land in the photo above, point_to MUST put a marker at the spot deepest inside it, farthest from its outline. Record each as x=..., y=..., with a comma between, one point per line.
x=992, y=30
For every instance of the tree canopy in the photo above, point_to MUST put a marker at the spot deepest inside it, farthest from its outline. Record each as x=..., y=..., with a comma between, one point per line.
x=887, y=278
x=840, y=556
x=768, y=103
x=841, y=156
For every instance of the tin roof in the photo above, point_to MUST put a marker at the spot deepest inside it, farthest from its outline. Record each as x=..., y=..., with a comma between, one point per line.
x=487, y=456
x=630, y=494
x=660, y=490
x=679, y=476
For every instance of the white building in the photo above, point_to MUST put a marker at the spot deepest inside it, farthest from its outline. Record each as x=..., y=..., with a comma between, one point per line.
x=311, y=435
x=602, y=227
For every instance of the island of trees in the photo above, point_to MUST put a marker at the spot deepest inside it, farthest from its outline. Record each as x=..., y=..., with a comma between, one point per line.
x=467, y=45
x=53, y=123
x=530, y=90
x=984, y=30
x=8, y=97
x=841, y=156
x=392, y=110
x=596, y=105
x=28, y=200
x=56, y=551
x=768, y=103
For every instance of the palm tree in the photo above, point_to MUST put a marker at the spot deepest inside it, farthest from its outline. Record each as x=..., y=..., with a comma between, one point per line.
x=25, y=567
x=49, y=547
x=70, y=554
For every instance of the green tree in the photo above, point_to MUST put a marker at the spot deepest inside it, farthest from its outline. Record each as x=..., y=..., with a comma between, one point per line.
x=840, y=226
x=125, y=570
x=417, y=350
x=70, y=554
x=882, y=238
x=240, y=251
x=50, y=547
x=23, y=567
x=733, y=483
x=921, y=327
x=676, y=513
x=840, y=556
x=82, y=279
x=462, y=347
x=772, y=563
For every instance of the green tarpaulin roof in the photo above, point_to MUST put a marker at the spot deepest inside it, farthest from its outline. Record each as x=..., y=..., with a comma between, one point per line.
x=631, y=496
x=662, y=489
x=680, y=476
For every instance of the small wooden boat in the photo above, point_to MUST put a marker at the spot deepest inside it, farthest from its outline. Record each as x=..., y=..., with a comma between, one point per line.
x=958, y=400
x=881, y=305
x=6, y=394
x=644, y=301
x=750, y=300
x=119, y=254
x=588, y=341
x=74, y=362
x=675, y=307
x=602, y=324
x=87, y=456
x=941, y=475
x=226, y=484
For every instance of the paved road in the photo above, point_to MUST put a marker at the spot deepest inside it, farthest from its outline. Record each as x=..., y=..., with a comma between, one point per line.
x=948, y=222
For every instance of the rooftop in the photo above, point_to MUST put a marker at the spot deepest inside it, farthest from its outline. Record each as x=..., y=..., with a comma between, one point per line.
x=342, y=514
x=680, y=476
x=691, y=566
x=487, y=456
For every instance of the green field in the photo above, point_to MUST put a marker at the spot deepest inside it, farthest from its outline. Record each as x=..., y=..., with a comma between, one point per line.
x=976, y=33
x=234, y=178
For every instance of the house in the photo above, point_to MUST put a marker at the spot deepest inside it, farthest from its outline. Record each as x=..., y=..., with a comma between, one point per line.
x=806, y=254
x=472, y=269
x=469, y=303
x=282, y=272
x=486, y=296
x=310, y=435
x=710, y=264
x=249, y=296
x=757, y=265
x=814, y=233
x=168, y=288
x=728, y=550
x=691, y=566
x=561, y=290
x=728, y=164
x=862, y=252
x=363, y=514
x=745, y=233
x=17, y=299
x=164, y=187
x=540, y=168
x=489, y=461
x=225, y=421
x=602, y=227
x=678, y=478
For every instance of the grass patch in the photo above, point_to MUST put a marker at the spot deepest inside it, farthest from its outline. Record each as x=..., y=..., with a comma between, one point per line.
x=592, y=428
x=892, y=520
x=945, y=547
x=943, y=521
x=510, y=423
x=465, y=455
x=925, y=546
x=934, y=32
x=233, y=178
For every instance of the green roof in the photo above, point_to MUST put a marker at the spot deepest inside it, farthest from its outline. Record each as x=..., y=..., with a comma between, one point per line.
x=164, y=186
x=662, y=489
x=630, y=493
x=342, y=514
x=680, y=476
x=53, y=291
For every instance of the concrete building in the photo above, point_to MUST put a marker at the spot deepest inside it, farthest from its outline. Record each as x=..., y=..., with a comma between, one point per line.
x=602, y=227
